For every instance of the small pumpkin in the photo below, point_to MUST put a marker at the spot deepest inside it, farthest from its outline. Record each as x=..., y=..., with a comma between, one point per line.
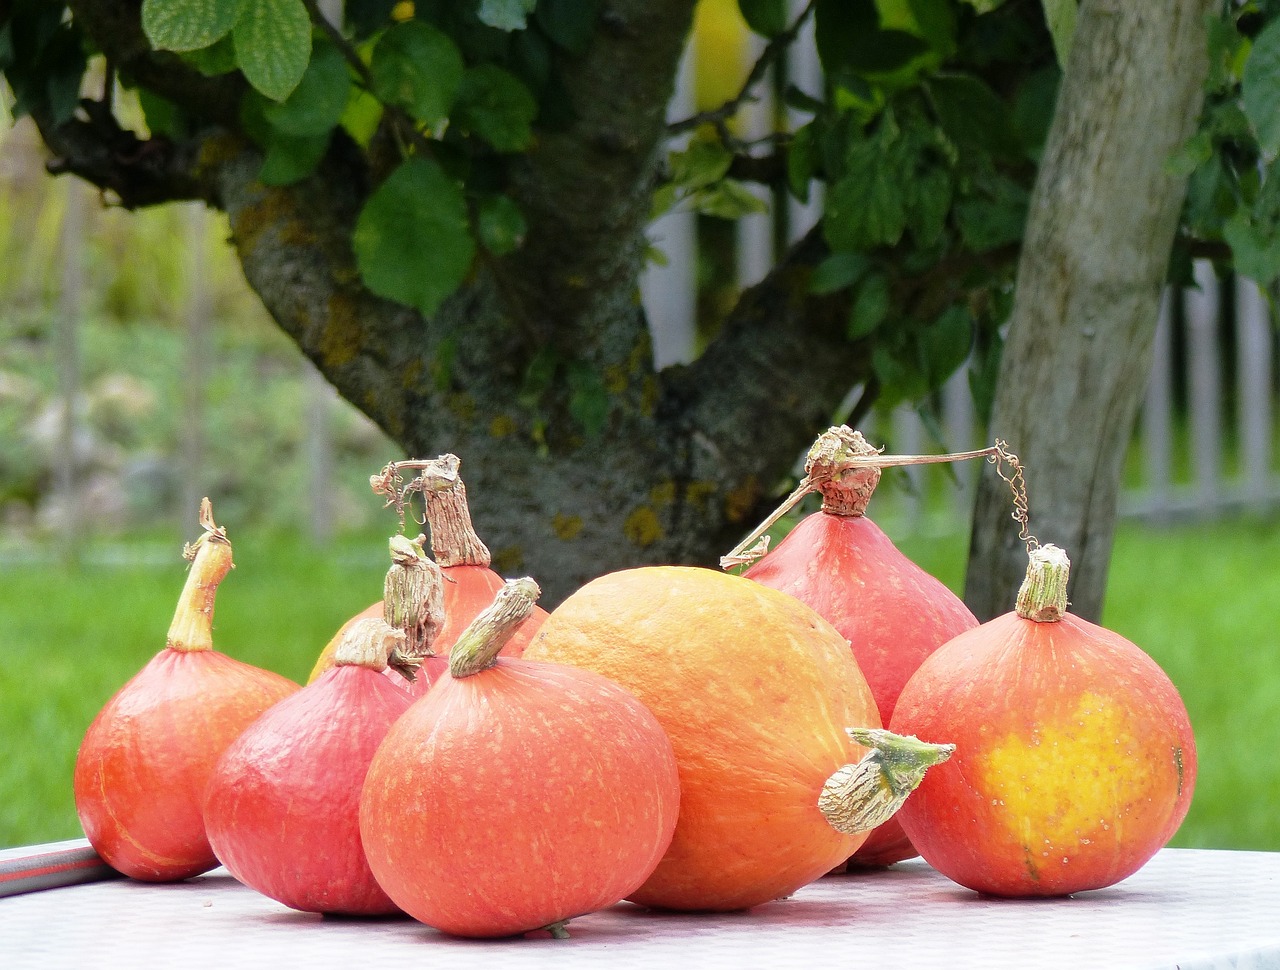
x=282, y=808
x=756, y=691
x=515, y=795
x=1075, y=760
x=892, y=612
x=146, y=758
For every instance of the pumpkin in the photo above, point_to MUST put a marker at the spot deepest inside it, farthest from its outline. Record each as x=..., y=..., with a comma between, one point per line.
x=1075, y=760
x=469, y=582
x=142, y=768
x=892, y=612
x=282, y=808
x=514, y=795
x=756, y=691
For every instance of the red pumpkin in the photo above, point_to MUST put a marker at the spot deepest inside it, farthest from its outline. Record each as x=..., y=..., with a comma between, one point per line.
x=515, y=795
x=469, y=584
x=892, y=612
x=282, y=809
x=1075, y=760
x=142, y=768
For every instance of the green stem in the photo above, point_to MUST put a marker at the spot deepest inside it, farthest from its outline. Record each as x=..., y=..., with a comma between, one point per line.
x=210, y=558
x=1043, y=596
x=861, y=796
x=478, y=646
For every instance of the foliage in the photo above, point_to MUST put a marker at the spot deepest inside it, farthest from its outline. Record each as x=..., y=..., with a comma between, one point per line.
x=1233, y=160
x=926, y=136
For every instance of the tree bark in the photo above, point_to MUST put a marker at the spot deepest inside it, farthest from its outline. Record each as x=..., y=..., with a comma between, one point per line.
x=1102, y=221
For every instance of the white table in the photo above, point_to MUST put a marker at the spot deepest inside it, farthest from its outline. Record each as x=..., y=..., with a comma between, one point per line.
x=1190, y=909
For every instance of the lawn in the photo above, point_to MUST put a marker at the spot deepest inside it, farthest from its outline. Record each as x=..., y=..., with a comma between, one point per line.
x=1197, y=598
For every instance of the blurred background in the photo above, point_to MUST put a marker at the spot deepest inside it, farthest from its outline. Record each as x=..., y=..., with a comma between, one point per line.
x=138, y=373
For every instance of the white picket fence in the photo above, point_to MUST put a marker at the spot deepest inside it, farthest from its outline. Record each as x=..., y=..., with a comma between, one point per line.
x=1204, y=443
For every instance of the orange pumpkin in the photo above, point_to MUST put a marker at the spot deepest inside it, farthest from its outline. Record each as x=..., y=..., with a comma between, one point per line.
x=756, y=691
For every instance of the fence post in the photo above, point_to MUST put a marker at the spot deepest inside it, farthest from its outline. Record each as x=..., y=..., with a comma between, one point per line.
x=669, y=293
x=67, y=468
x=198, y=361
x=1253, y=387
x=1205, y=397
x=804, y=70
x=1157, y=410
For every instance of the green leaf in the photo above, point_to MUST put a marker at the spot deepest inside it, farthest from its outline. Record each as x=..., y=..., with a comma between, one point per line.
x=1259, y=91
x=412, y=240
x=865, y=208
x=188, y=25
x=973, y=116
x=419, y=68
x=494, y=105
x=1255, y=252
x=588, y=399
x=945, y=344
x=290, y=159
x=1197, y=150
x=1060, y=16
x=361, y=116
x=728, y=199
x=870, y=307
x=218, y=58
x=928, y=203
x=850, y=38
x=273, y=45
x=569, y=23
x=985, y=6
x=802, y=162
x=500, y=224
x=994, y=217
x=701, y=164
x=506, y=14
x=837, y=271
x=316, y=105
x=162, y=116
x=768, y=18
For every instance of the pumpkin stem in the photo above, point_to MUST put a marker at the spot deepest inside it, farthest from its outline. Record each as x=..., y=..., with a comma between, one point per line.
x=412, y=602
x=210, y=558
x=846, y=470
x=836, y=465
x=1043, y=596
x=369, y=642
x=478, y=646
x=453, y=537
x=861, y=796
x=559, y=930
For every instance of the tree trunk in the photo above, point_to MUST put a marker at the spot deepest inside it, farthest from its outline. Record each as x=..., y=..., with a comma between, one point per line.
x=1103, y=216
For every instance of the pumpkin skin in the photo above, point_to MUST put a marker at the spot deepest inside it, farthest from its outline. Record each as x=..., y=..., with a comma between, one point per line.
x=1075, y=760
x=517, y=798
x=755, y=691
x=892, y=612
x=282, y=808
x=146, y=758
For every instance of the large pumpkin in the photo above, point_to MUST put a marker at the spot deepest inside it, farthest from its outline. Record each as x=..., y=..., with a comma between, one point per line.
x=755, y=691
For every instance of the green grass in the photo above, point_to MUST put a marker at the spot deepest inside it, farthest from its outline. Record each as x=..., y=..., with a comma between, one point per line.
x=1199, y=599
x=70, y=637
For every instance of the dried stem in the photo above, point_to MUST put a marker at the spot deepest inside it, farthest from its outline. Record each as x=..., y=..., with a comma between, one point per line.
x=825, y=472
x=210, y=558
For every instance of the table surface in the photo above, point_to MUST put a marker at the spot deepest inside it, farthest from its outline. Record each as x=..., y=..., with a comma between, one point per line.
x=1187, y=908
